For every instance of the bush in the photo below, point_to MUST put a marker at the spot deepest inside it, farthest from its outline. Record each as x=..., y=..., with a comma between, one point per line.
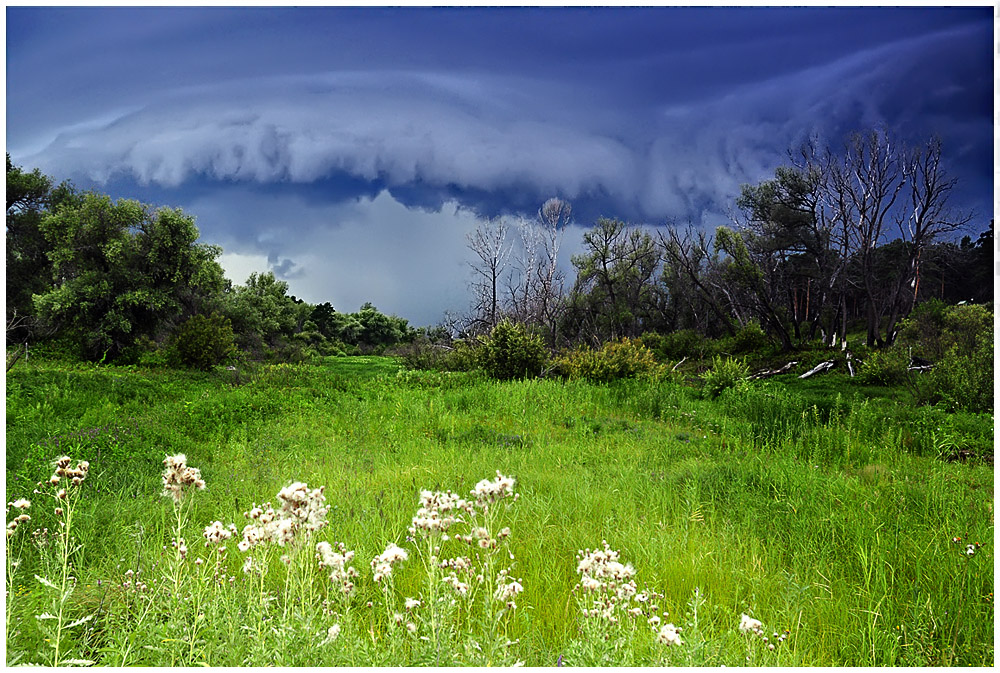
x=421, y=354
x=885, y=367
x=622, y=359
x=963, y=382
x=684, y=343
x=750, y=338
x=922, y=330
x=959, y=339
x=511, y=352
x=725, y=374
x=202, y=342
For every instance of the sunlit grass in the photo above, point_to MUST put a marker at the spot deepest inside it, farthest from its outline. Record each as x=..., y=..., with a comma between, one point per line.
x=835, y=523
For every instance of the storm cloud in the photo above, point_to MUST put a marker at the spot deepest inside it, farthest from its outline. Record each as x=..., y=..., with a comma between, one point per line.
x=336, y=142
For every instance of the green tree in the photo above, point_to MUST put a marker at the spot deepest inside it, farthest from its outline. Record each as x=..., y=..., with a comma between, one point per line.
x=29, y=271
x=378, y=330
x=122, y=270
x=746, y=271
x=615, y=293
x=202, y=342
x=261, y=311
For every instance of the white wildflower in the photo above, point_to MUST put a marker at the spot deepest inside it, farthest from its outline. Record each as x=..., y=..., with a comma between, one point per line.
x=489, y=491
x=178, y=477
x=215, y=533
x=668, y=635
x=749, y=624
x=331, y=634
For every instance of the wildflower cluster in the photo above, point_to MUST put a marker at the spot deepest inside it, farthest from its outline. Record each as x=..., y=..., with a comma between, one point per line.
x=20, y=505
x=216, y=532
x=490, y=491
x=178, y=478
x=611, y=592
x=610, y=581
x=507, y=591
x=460, y=565
x=74, y=475
x=383, y=563
x=753, y=626
x=669, y=635
x=438, y=512
x=970, y=549
x=300, y=510
x=337, y=561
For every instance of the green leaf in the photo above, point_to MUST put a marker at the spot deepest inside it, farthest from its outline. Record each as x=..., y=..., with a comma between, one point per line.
x=46, y=582
x=80, y=621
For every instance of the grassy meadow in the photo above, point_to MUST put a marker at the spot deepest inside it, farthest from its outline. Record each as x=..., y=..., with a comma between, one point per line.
x=831, y=514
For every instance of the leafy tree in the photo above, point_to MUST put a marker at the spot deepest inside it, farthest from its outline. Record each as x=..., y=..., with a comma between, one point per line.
x=379, y=330
x=697, y=297
x=29, y=271
x=616, y=294
x=261, y=311
x=121, y=270
x=750, y=273
x=325, y=318
x=202, y=342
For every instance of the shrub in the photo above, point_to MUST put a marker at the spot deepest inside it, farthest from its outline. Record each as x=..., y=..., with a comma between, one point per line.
x=885, y=367
x=725, y=373
x=622, y=359
x=922, y=330
x=963, y=382
x=749, y=338
x=511, y=352
x=683, y=343
x=960, y=341
x=421, y=354
x=202, y=342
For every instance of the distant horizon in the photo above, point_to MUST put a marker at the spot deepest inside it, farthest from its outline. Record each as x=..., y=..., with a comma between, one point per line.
x=351, y=150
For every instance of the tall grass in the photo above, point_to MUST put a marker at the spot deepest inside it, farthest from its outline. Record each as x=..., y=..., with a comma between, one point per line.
x=832, y=521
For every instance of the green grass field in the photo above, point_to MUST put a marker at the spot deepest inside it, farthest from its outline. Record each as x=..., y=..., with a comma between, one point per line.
x=814, y=507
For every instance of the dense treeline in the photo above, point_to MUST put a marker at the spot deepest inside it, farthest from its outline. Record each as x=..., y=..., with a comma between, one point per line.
x=836, y=242
x=121, y=280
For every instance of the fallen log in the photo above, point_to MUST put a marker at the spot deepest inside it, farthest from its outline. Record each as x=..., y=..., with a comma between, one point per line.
x=821, y=367
x=764, y=373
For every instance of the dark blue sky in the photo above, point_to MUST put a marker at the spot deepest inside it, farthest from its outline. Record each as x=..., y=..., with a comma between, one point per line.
x=351, y=150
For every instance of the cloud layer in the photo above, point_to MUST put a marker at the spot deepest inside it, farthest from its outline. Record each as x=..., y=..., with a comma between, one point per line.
x=495, y=134
x=378, y=136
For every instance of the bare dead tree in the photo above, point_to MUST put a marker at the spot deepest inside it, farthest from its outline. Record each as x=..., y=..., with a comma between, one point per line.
x=927, y=218
x=489, y=242
x=866, y=184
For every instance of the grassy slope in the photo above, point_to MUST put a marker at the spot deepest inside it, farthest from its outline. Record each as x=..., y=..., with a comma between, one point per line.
x=829, y=523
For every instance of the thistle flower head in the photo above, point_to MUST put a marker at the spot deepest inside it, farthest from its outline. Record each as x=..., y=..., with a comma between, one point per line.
x=20, y=503
x=383, y=563
x=438, y=511
x=489, y=491
x=751, y=625
x=668, y=635
x=216, y=532
x=178, y=478
x=508, y=592
x=336, y=561
x=331, y=634
x=307, y=508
